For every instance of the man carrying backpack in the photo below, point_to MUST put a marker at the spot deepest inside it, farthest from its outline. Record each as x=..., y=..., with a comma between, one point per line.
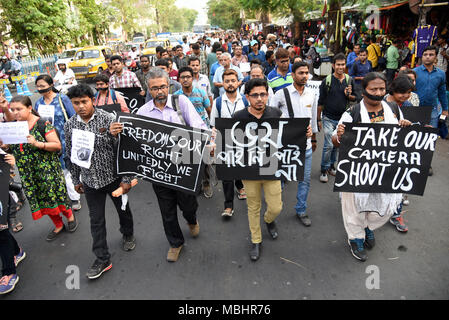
x=106, y=95
x=312, y=56
x=224, y=107
x=335, y=96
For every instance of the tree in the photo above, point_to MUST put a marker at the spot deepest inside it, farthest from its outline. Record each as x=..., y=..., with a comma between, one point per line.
x=40, y=24
x=224, y=13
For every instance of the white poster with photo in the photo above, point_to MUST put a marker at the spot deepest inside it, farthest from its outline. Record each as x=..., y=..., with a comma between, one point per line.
x=82, y=148
x=14, y=132
x=47, y=112
x=315, y=87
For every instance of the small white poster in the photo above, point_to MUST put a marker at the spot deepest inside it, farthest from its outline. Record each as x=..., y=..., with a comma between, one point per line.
x=245, y=67
x=47, y=112
x=82, y=147
x=14, y=132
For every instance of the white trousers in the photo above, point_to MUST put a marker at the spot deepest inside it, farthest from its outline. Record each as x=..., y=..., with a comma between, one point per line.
x=356, y=222
x=73, y=195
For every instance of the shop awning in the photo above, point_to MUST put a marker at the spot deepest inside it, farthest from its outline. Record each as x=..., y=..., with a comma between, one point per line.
x=394, y=5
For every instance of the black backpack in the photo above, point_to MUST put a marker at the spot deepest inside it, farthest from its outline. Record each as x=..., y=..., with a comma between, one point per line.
x=354, y=111
x=317, y=60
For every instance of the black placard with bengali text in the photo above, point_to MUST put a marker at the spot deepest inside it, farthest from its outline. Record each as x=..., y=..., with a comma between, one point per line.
x=384, y=158
x=161, y=152
x=111, y=108
x=132, y=97
x=265, y=149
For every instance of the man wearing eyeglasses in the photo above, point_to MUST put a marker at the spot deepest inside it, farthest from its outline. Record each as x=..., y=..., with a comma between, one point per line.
x=161, y=107
x=201, y=102
x=256, y=91
x=281, y=76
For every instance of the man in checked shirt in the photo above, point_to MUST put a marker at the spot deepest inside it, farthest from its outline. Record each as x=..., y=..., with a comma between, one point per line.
x=123, y=78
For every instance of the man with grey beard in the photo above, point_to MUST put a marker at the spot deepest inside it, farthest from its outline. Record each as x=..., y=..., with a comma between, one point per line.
x=161, y=107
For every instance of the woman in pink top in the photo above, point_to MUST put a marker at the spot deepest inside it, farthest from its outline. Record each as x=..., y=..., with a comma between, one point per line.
x=108, y=95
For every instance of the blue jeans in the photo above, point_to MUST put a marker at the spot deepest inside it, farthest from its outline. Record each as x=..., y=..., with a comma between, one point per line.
x=435, y=116
x=329, y=156
x=304, y=186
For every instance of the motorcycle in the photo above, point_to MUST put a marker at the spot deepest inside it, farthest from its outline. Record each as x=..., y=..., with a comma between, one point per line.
x=11, y=84
x=131, y=64
x=64, y=88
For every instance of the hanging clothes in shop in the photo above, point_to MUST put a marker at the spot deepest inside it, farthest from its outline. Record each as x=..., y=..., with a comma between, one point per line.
x=423, y=37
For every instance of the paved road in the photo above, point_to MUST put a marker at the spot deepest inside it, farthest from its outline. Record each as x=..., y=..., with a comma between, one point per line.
x=303, y=263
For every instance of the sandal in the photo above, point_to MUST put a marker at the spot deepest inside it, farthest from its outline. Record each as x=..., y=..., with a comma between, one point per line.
x=241, y=194
x=17, y=226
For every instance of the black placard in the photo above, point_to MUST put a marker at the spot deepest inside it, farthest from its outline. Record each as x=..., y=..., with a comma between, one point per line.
x=418, y=115
x=132, y=97
x=267, y=149
x=162, y=152
x=4, y=192
x=385, y=158
x=111, y=108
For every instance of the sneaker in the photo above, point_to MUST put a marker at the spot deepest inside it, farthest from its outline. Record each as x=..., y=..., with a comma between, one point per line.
x=357, y=249
x=323, y=177
x=430, y=172
x=173, y=254
x=208, y=191
x=305, y=220
x=227, y=213
x=20, y=256
x=405, y=200
x=398, y=222
x=97, y=269
x=8, y=283
x=370, y=242
x=332, y=171
x=76, y=205
x=128, y=243
x=194, y=229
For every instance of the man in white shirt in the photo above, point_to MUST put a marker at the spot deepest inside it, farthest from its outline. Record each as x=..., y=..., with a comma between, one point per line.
x=224, y=107
x=64, y=78
x=185, y=45
x=257, y=73
x=225, y=61
x=297, y=101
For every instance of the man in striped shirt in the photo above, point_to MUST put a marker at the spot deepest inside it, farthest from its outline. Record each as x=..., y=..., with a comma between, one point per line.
x=201, y=102
x=123, y=78
x=281, y=77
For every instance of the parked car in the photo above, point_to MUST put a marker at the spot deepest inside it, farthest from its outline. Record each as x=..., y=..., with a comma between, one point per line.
x=89, y=61
x=66, y=56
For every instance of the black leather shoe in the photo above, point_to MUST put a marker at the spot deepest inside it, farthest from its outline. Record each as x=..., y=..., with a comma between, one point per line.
x=272, y=229
x=254, y=253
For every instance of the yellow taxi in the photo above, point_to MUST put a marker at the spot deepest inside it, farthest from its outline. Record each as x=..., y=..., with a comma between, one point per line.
x=151, y=44
x=89, y=61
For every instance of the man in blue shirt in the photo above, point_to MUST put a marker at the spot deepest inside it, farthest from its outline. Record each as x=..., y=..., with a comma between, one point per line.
x=353, y=56
x=360, y=68
x=431, y=85
x=256, y=54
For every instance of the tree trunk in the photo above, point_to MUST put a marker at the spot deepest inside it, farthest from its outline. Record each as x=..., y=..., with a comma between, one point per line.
x=334, y=7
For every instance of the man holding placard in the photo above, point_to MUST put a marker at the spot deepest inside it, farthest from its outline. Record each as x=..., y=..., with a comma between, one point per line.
x=90, y=148
x=179, y=110
x=296, y=101
x=257, y=94
x=365, y=212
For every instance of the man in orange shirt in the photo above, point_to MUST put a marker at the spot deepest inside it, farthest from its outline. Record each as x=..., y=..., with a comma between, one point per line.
x=106, y=95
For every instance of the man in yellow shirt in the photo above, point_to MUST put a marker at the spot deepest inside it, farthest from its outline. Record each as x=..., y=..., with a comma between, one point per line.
x=373, y=51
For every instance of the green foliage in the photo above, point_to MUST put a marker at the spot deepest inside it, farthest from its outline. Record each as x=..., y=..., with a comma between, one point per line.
x=225, y=13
